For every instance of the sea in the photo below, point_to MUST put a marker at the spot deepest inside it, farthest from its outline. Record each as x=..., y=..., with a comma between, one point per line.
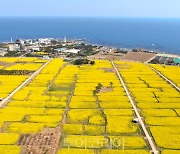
x=161, y=34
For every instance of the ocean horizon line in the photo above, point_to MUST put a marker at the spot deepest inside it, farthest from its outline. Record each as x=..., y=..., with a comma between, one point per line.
x=120, y=17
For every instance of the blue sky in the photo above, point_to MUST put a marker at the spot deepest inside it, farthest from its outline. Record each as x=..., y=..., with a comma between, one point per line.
x=120, y=8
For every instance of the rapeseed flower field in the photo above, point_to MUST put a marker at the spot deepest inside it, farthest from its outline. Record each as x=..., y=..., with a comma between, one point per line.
x=157, y=100
x=85, y=109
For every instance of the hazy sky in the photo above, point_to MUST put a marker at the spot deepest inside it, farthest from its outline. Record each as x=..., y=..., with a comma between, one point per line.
x=122, y=8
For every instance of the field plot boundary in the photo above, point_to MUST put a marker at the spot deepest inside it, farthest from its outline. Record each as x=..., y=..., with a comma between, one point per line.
x=5, y=100
x=148, y=137
x=165, y=78
x=64, y=119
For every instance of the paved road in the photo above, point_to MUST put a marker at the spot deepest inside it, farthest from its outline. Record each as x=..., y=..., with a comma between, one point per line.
x=165, y=78
x=136, y=110
x=5, y=100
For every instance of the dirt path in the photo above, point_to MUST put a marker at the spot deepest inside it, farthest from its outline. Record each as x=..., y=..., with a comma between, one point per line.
x=136, y=110
x=65, y=114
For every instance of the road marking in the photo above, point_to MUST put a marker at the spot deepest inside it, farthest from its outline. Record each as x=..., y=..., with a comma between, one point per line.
x=149, y=138
x=6, y=100
x=165, y=78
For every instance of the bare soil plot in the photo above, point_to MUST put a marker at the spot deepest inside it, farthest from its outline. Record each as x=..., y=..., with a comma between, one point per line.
x=108, y=56
x=138, y=56
x=106, y=89
x=43, y=142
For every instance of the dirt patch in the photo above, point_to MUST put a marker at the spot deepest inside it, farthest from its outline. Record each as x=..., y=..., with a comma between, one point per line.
x=45, y=142
x=138, y=56
x=109, y=56
x=123, y=66
x=107, y=69
x=106, y=89
x=3, y=63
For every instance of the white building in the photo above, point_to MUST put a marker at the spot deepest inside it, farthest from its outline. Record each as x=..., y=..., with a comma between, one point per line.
x=44, y=41
x=71, y=51
x=13, y=47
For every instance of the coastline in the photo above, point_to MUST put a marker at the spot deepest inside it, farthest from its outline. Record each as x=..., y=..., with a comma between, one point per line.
x=157, y=51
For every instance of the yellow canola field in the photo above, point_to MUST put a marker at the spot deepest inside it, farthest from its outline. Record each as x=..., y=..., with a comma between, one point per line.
x=163, y=121
x=6, y=117
x=83, y=105
x=118, y=125
x=28, y=66
x=124, y=152
x=9, y=60
x=1, y=124
x=88, y=151
x=72, y=129
x=118, y=112
x=94, y=120
x=171, y=72
x=32, y=109
x=157, y=105
x=44, y=118
x=75, y=151
x=157, y=100
x=21, y=110
x=8, y=138
x=10, y=149
x=22, y=128
x=94, y=130
x=159, y=112
x=82, y=116
x=29, y=59
x=170, y=137
x=108, y=112
x=170, y=151
x=12, y=82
